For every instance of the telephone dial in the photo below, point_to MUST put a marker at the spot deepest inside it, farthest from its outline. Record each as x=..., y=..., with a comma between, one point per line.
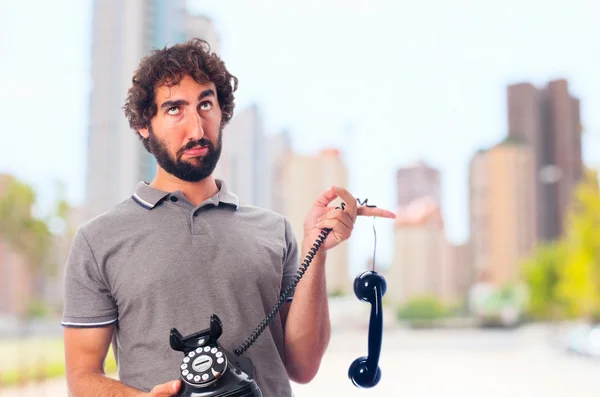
x=209, y=370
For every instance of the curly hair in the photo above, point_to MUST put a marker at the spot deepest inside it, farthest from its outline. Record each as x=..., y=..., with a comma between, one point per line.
x=167, y=66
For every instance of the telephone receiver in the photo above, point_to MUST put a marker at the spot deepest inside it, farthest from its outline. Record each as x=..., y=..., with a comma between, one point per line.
x=364, y=371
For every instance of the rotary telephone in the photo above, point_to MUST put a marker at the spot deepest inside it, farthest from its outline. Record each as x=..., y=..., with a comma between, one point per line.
x=209, y=370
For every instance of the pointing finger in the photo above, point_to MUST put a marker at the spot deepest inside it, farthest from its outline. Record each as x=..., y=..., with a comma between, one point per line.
x=374, y=211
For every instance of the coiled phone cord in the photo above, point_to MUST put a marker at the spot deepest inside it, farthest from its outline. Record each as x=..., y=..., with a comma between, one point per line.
x=286, y=292
x=291, y=286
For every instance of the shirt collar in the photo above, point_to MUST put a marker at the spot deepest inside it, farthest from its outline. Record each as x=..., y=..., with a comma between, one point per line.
x=148, y=197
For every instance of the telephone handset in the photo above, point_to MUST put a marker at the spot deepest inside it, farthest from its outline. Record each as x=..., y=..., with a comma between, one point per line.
x=364, y=371
x=208, y=370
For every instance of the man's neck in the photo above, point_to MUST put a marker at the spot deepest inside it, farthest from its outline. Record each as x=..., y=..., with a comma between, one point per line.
x=195, y=192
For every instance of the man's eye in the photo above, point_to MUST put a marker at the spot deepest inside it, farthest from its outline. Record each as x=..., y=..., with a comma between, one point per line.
x=173, y=110
x=205, y=106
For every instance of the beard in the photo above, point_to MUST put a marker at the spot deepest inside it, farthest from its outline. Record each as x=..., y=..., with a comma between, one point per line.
x=192, y=170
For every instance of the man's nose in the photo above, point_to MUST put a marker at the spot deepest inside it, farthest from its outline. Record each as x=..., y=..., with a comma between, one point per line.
x=195, y=131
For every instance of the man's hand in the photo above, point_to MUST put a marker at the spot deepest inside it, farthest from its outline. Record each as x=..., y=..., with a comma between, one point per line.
x=341, y=222
x=166, y=389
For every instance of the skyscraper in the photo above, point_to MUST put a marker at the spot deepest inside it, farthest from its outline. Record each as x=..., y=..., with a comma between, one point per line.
x=251, y=161
x=548, y=120
x=417, y=181
x=420, y=249
x=278, y=150
x=243, y=162
x=123, y=33
x=304, y=179
x=17, y=282
x=502, y=211
x=456, y=273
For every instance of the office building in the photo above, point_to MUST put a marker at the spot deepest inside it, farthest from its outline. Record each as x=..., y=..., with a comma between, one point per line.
x=420, y=249
x=502, y=211
x=417, y=181
x=548, y=119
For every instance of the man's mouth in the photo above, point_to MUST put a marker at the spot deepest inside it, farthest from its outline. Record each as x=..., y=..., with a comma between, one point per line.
x=196, y=151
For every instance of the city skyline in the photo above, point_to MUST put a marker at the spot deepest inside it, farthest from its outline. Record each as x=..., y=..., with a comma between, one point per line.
x=441, y=115
x=265, y=171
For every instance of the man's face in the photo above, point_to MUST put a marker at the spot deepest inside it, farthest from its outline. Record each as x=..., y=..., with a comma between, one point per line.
x=185, y=135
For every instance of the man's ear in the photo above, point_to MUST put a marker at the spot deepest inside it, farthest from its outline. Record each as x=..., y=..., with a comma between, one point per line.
x=143, y=132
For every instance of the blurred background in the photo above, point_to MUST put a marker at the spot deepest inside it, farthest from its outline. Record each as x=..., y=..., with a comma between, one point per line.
x=478, y=122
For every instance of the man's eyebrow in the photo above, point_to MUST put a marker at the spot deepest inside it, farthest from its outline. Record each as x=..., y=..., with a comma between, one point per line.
x=183, y=102
x=206, y=93
x=172, y=104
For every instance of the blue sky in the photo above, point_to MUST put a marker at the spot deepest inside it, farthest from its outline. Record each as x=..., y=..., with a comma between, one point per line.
x=415, y=80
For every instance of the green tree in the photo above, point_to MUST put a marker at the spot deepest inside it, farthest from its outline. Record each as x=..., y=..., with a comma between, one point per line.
x=541, y=274
x=19, y=228
x=579, y=280
x=563, y=277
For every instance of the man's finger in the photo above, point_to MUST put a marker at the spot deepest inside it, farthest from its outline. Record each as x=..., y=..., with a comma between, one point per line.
x=374, y=211
x=341, y=216
x=325, y=198
x=339, y=230
x=166, y=389
x=348, y=199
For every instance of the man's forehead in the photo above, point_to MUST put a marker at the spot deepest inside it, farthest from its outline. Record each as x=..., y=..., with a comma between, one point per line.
x=187, y=86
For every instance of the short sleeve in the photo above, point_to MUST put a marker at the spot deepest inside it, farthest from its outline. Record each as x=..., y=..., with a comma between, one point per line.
x=291, y=261
x=88, y=301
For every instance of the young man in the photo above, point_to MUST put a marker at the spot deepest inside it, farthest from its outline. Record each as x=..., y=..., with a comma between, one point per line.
x=182, y=248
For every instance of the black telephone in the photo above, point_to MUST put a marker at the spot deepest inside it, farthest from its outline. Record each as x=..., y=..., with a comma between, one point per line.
x=208, y=370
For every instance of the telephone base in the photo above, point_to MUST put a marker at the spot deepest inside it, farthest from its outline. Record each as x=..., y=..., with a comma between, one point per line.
x=237, y=381
x=250, y=390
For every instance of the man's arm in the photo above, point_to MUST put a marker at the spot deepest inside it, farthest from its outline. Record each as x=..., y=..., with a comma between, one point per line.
x=307, y=326
x=85, y=352
x=306, y=322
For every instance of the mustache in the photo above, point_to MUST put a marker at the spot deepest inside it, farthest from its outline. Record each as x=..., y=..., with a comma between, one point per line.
x=194, y=144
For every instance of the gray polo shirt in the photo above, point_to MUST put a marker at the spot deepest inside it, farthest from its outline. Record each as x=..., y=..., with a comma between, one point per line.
x=155, y=262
